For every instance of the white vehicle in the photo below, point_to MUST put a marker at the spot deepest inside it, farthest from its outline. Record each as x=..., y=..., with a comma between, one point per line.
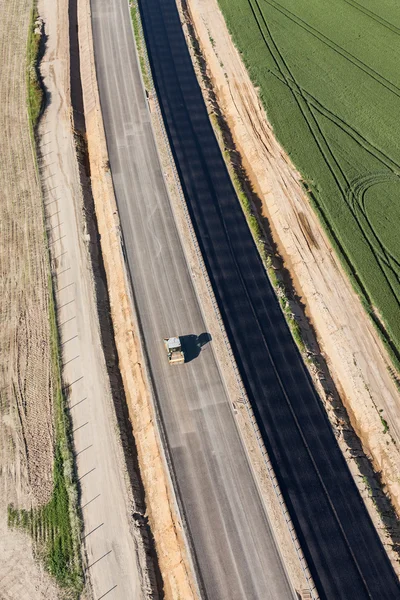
x=174, y=350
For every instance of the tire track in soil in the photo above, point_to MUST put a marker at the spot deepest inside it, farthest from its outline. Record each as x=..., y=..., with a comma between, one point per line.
x=373, y=16
x=337, y=172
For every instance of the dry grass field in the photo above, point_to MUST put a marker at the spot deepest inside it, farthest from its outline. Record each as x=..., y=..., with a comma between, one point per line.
x=26, y=387
x=26, y=383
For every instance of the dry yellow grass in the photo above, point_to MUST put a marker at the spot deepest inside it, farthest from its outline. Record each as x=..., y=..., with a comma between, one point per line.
x=25, y=376
x=26, y=423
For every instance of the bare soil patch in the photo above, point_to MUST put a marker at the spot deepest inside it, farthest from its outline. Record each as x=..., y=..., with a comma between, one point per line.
x=21, y=576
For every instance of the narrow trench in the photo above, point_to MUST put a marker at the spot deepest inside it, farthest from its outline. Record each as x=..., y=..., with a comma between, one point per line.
x=104, y=313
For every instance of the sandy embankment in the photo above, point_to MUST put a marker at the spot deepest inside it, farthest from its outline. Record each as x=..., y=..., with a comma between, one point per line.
x=357, y=361
x=165, y=525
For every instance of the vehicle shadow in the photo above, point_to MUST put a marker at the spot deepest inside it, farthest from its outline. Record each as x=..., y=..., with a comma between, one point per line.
x=192, y=345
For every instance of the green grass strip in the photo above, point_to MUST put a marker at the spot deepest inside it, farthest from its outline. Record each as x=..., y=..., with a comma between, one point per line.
x=35, y=90
x=137, y=30
x=258, y=236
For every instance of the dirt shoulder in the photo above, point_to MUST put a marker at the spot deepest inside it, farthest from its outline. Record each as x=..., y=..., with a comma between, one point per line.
x=352, y=375
x=114, y=528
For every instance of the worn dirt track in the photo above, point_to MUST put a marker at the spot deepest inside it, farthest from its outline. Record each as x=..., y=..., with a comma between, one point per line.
x=114, y=532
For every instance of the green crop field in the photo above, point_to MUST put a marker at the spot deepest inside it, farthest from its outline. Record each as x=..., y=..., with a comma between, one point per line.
x=329, y=78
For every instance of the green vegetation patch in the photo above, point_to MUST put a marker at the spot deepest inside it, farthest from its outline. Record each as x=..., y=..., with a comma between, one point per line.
x=258, y=236
x=35, y=90
x=140, y=45
x=50, y=528
x=329, y=79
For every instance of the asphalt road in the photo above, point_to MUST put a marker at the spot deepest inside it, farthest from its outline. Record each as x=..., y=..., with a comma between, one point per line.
x=340, y=543
x=233, y=544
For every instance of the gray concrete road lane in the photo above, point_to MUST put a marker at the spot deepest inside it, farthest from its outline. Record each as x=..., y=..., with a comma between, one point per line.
x=233, y=543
